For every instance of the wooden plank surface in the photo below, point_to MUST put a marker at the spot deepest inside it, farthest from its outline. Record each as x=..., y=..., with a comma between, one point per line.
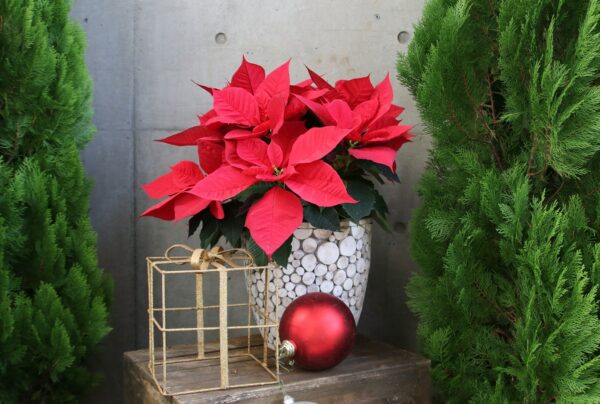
x=374, y=372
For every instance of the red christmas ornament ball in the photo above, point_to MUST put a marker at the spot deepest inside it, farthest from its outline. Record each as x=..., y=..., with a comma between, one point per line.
x=321, y=329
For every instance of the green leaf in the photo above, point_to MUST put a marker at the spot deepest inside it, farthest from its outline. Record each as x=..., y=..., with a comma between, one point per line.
x=193, y=223
x=98, y=315
x=367, y=166
x=375, y=169
x=259, y=188
x=6, y=319
x=209, y=234
x=232, y=228
x=232, y=225
x=365, y=195
x=382, y=221
x=60, y=349
x=282, y=255
x=380, y=204
x=260, y=258
x=322, y=218
x=380, y=212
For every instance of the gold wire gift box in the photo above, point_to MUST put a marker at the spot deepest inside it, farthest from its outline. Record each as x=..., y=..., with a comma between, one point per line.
x=201, y=264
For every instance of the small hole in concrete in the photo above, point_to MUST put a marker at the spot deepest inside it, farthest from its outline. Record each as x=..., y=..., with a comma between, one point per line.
x=220, y=38
x=403, y=37
x=377, y=17
x=399, y=227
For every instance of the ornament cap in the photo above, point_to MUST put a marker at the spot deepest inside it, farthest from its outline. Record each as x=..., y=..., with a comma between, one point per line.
x=287, y=349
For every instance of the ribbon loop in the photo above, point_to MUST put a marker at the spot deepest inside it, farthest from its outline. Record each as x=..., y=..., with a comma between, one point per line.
x=201, y=258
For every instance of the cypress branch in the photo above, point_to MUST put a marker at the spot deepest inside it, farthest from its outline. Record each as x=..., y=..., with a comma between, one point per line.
x=53, y=296
x=507, y=235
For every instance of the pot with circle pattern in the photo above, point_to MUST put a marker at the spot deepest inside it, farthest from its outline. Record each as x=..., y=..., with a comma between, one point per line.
x=333, y=262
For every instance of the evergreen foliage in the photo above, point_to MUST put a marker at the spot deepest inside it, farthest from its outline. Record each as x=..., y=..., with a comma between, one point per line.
x=53, y=296
x=507, y=235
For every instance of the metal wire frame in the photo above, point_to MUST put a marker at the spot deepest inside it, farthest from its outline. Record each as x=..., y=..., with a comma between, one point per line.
x=229, y=261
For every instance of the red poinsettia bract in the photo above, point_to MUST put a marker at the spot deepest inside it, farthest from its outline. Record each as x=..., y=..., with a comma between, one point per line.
x=262, y=129
x=180, y=202
x=369, y=114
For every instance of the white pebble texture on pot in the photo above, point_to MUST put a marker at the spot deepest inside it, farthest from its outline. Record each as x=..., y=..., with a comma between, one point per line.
x=333, y=262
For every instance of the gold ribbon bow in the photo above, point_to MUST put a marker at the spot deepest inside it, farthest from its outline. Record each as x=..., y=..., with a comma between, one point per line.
x=201, y=258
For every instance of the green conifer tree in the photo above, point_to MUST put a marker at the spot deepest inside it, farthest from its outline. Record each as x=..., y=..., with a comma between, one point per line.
x=53, y=296
x=507, y=235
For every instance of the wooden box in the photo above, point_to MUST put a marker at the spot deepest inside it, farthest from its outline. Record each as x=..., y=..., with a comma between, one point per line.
x=374, y=372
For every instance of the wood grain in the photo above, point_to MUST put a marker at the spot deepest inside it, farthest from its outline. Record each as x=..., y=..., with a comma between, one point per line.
x=374, y=373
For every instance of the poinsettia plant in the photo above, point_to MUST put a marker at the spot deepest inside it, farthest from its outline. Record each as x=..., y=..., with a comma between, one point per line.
x=272, y=155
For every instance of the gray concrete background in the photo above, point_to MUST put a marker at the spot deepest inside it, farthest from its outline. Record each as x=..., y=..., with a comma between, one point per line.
x=143, y=55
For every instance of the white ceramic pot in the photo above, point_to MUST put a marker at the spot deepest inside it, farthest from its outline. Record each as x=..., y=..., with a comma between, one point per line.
x=336, y=263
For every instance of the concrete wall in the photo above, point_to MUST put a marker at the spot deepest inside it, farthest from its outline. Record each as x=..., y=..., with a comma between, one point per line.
x=109, y=161
x=143, y=55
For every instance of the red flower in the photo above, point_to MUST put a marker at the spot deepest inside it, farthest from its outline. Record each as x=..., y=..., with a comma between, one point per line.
x=368, y=111
x=260, y=129
x=181, y=203
x=295, y=161
x=210, y=144
x=252, y=100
